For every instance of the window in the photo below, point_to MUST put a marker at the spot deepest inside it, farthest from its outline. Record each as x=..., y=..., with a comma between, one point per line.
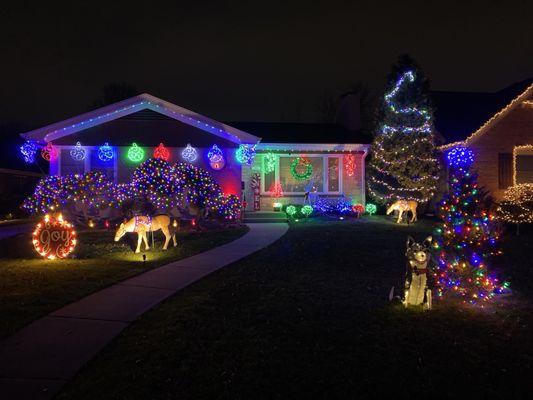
x=505, y=170
x=524, y=168
x=69, y=165
x=326, y=177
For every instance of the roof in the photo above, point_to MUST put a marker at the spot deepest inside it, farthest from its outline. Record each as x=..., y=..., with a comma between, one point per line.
x=133, y=105
x=298, y=132
x=459, y=114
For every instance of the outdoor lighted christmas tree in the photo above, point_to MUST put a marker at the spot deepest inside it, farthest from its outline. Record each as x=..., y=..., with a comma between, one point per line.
x=404, y=165
x=467, y=238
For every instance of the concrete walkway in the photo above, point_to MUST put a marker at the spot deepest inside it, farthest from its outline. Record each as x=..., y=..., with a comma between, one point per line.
x=37, y=361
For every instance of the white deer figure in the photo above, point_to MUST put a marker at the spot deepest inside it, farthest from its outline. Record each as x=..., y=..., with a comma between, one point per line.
x=403, y=206
x=143, y=224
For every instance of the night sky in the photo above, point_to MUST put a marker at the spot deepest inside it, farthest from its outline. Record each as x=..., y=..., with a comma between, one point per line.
x=234, y=61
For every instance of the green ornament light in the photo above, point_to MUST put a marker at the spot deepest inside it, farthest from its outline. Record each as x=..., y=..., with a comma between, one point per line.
x=135, y=153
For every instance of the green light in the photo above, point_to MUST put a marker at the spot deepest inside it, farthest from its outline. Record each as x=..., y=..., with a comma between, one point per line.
x=290, y=210
x=300, y=162
x=306, y=210
x=269, y=162
x=135, y=153
x=371, y=208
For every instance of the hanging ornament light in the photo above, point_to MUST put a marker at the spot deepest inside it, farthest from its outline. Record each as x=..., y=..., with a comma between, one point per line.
x=162, y=152
x=48, y=152
x=105, y=152
x=28, y=151
x=189, y=153
x=78, y=153
x=301, y=169
x=269, y=162
x=135, y=153
x=245, y=154
x=216, y=158
x=349, y=164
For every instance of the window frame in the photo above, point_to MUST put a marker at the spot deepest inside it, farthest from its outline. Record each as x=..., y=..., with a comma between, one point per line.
x=325, y=176
x=521, y=150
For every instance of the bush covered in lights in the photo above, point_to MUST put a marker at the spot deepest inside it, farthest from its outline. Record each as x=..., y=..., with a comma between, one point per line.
x=155, y=181
x=517, y=204
x=467, y=237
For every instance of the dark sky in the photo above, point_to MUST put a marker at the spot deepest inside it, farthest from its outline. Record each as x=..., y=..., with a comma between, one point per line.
x=258, y=61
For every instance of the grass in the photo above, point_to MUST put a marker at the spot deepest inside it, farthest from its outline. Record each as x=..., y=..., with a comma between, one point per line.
x=308, y=317
x=31, y=287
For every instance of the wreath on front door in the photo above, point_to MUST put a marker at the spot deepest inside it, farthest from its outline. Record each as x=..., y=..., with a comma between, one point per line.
x=301, y=169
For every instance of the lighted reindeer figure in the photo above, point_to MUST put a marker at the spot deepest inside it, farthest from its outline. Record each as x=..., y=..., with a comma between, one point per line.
x=143, y=224
x=404, y=206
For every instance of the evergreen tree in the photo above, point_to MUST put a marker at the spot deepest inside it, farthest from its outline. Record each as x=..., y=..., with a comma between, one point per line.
x=404, y=165
x=467, y=237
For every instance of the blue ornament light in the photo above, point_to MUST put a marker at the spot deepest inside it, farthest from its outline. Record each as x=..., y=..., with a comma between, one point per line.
x=215, y=155
x=78, y=153
x=105, y=152
x=245, y=154
x=28, y=151
x=460, y=157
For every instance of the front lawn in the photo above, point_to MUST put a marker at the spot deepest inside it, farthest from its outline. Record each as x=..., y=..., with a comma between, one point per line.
x=308, y=317
x=31, y=287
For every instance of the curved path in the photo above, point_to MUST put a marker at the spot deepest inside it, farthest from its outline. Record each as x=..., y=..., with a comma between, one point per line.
x=39, y=359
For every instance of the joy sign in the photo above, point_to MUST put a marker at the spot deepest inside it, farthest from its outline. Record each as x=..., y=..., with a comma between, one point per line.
x=54, y=238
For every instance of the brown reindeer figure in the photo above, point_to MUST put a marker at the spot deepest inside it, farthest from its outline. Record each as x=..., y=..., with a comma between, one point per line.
x=403, y=206
x=143, y=224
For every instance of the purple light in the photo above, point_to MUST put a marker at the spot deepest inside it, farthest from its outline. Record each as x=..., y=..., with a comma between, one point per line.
x=460, y=157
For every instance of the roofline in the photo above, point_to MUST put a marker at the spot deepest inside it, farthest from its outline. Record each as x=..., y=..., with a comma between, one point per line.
x=520, y=99
x=309, y=147
x=129, y=106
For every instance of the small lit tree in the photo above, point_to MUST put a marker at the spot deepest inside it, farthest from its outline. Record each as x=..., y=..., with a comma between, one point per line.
x=517, y=205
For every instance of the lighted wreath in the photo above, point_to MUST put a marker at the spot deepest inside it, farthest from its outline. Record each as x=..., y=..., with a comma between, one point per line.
x=301, y=169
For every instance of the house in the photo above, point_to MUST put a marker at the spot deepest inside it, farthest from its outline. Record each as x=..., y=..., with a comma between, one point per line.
x=503, y=145
x=131, y=130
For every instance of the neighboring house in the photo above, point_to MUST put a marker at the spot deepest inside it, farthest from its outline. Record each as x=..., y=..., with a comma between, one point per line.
x=149, y=121
x=503, y=145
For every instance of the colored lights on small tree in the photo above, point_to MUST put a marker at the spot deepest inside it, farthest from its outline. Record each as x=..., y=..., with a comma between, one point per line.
x=54, y=237
x=49, y=152
x=371, y=208
x=270, y=161
x=359, y=209
x=301, y=169
x=28, y=151
x=135, y=153
x=105, y=152
x=216, y=158
x=189, y=153
x=349, y=164
x=290, y=210
x=276, y=190
x=306, y=210
x=78, y=153
x=162, y=152
x=245, y=154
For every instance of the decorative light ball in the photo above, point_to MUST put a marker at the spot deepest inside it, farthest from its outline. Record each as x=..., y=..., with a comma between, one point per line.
x=28, y=151
x=290, y=210
x=245, y=154
x=135, y=153
x=371, y=208
x=269, y=162
x=105, y=152
x=162, y=152
x=460, y=157
x=54, y=237
x=189, y=153
x=301, y=169
x=78, y=153
x=307, y=210
x=358, y=209
x=49, y=152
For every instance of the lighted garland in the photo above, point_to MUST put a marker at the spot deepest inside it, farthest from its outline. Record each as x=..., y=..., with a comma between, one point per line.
x=78, y=153
x=245, y=154
x=135, y=153
x=298, y=164
x=189, y=153
x=270, y=161
x=54, y=237
x=349, y=164
x=105, y=152
x=28, y=151
x=162, y=152
x=49, y=152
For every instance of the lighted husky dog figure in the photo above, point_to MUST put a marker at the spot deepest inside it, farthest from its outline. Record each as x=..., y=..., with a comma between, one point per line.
x=403, y=206
x=143, y=224
x=418, y=256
